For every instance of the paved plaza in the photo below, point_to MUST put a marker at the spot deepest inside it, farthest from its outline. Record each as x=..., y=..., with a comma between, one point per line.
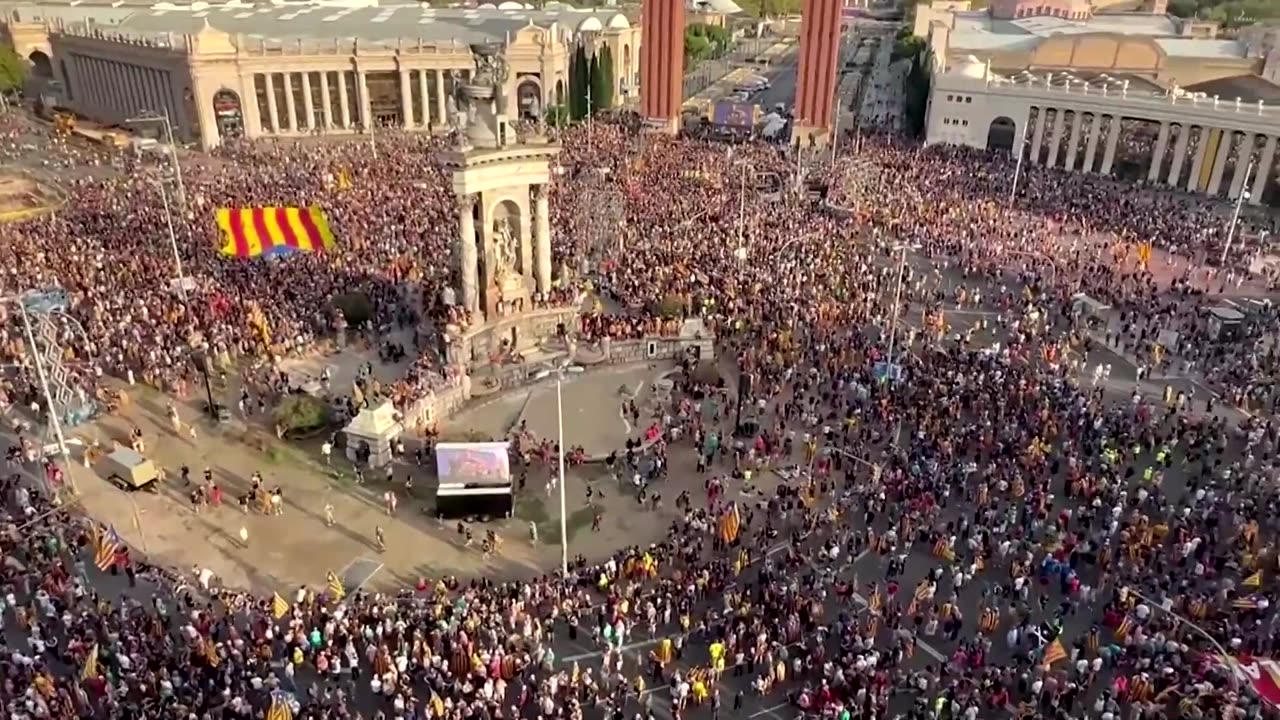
x=298, y=548
x=593, y=408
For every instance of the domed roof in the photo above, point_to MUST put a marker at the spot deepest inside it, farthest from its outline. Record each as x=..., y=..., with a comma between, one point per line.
x=590, y=24
x=619, y=22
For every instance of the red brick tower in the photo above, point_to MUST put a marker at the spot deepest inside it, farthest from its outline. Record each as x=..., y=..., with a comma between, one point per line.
x=816, y=74
x=662, y=62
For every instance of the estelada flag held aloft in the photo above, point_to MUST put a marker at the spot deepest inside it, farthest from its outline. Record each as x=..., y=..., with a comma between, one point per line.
x=257, y=231
x=1053, y=653
x=730, y=523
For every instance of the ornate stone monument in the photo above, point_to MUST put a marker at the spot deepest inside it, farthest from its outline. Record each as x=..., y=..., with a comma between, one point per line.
x=504, y=224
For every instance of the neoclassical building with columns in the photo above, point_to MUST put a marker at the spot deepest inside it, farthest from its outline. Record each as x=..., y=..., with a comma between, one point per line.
x=1114, y=125
x=262, y=69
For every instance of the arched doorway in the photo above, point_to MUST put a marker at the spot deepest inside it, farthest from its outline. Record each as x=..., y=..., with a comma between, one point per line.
x=529, y=98
x=41, y=66
x=228, y=114
x=560, y=92
x=1000, y=134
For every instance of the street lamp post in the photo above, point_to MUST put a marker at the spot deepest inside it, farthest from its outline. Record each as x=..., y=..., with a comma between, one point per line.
x=163, y=121
x=564, y=516
x=1017, y=168
x=173, y=243
x=897, y=304
x=1235, y=214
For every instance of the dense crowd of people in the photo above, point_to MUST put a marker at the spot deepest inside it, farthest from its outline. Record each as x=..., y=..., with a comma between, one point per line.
x=1070, y=538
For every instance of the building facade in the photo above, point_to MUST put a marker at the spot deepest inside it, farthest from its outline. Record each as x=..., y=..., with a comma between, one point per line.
x=1216, y=146
x=221, y=72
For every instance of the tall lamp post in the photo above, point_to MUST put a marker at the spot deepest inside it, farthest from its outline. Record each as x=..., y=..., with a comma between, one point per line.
x=1235, y=214
x=1017, y=168
x=149, y=117
x=173, y=242
x=564, y=517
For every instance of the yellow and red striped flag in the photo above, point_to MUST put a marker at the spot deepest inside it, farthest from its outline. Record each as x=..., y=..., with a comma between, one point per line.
x=1054, y=653
x=279, y=606
x=91, y=669
x=730, y=523
x=336, y=588
x=251, y=232
x=280, y=708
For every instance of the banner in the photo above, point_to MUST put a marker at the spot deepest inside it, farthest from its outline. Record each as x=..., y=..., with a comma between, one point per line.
x=1262, y=674
x=253, y=232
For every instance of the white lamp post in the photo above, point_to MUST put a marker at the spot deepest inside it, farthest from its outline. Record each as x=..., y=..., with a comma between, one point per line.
x=564, y=524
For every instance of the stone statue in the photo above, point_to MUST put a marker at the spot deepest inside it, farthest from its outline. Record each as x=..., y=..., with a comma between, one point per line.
x=504, y=249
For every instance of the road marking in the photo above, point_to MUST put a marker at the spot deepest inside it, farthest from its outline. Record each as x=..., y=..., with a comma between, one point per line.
x=625, y=649
x=769, y=710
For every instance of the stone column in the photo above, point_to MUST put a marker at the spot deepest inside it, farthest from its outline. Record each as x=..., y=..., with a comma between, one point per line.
x=366, y=104
x=1037, y=137
x=344, y=103
x=1055, y=139
x=1263, y=171
x=542, y=236
x=290, y=106
x=1225, y=141
x=440, y=99
x=1113, y=140
x=326, y=100
x=273, y=114
x=426, y=98
x=1202, y=147
x=1157, y=156
x=1073, y=142
x=1179, y=154
x=1243, y=157
x=1091, y=146
x=406, y=100
x=308, y=107
x=467, y=255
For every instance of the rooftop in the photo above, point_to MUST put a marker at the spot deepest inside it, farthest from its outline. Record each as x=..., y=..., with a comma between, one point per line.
x=978, y=31
x=1249, y=88
x=364, y=20
x=1044, y=26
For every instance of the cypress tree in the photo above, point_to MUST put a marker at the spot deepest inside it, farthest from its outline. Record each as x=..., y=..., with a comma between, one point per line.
x=580, y=78
x=594, y=81
x=602, y=80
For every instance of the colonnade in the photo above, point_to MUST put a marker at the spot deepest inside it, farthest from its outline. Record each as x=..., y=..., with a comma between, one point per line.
x=353, y=106
x=115, y=90
x=1209, y=149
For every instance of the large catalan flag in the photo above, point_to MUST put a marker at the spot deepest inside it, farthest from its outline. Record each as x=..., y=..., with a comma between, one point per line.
x=253, y=232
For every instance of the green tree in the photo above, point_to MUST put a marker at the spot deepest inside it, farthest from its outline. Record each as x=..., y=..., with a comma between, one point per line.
x=593, y=81
x=13, y=70
x=558, y=116
x=907, y=45
x=579, y=81
x=702, y=42
x=602, y=79
x=915, y=89
x=301, y=414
